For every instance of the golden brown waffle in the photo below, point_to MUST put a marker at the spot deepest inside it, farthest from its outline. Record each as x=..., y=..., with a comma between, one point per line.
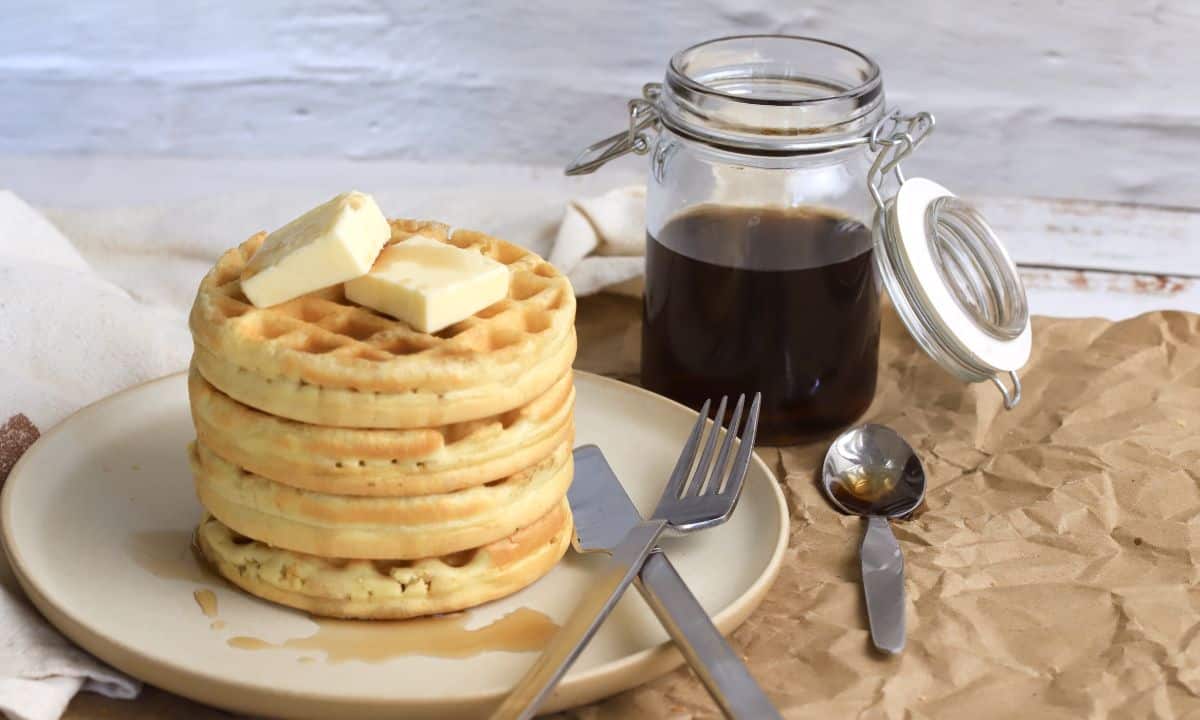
x=377, y=527
x=352, y=461
x=322, y=359
x=388, y=589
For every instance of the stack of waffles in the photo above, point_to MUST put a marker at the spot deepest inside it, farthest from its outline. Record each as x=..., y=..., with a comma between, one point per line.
x=352, y=466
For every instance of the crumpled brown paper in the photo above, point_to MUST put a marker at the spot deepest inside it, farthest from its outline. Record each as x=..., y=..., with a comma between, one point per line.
x=1052, y=572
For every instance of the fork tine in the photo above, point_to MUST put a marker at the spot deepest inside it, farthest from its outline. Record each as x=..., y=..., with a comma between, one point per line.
x=741, y=463
x=714, y=480
x=674, y=486
x=696, y=486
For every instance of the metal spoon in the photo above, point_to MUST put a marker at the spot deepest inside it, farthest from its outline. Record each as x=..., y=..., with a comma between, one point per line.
x=872, y=472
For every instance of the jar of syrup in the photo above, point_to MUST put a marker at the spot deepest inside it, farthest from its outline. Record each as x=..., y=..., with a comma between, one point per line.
x=776, y=208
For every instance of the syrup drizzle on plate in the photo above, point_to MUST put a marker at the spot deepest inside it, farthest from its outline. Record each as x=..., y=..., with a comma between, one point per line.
x=207, y=600
x=447, y=636
x=171, y=554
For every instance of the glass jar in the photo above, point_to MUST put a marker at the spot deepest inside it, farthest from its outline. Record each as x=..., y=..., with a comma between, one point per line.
x=768, y=231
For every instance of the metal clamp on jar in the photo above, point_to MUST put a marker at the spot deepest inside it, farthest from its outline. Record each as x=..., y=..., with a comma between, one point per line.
x=769, y=224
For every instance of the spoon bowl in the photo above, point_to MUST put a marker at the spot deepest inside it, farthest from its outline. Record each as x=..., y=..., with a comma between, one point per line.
x=872, y=470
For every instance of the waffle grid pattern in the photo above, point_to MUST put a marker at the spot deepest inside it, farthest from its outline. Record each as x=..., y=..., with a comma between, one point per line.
x=324, y=339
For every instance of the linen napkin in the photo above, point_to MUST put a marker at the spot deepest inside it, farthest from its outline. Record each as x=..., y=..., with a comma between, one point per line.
x=40, y=670
x=601, y=242
x=67, y=337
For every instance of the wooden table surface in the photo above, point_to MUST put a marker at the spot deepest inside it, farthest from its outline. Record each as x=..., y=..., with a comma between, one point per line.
x=1083, y=258
x=1077, y=258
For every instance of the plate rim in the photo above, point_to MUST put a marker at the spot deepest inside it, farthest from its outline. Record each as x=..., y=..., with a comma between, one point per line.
x=575, y=689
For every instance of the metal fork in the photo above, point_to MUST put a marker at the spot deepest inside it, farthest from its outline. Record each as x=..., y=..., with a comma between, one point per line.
x=698, y=495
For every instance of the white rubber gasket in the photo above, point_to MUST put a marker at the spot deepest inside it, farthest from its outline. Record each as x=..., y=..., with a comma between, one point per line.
x=911, y=206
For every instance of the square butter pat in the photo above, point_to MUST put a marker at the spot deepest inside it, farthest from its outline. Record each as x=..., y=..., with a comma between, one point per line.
x=429, y=284
x=327, y=245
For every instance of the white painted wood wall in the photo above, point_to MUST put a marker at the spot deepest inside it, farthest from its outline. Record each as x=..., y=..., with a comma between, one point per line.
x=1067, y=98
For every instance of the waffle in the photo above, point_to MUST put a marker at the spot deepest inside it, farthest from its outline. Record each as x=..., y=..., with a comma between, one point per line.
x=377, y=527
x=346, y=461
x=323, y=360
x=388, y=589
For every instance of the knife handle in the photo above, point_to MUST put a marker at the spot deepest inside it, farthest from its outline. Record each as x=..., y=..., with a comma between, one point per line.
x=606, y=588
x=720, y=669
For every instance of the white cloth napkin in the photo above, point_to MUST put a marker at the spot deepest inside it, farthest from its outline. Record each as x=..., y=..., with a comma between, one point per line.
x=67, y=337
x=601, y=241
x=40, y=670
x=84, y=317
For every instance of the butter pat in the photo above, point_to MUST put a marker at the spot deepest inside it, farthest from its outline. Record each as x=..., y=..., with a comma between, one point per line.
x=429, y=284
x=327, y=245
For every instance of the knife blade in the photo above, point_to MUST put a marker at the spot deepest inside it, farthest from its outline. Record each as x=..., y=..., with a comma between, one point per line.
x=604, y=514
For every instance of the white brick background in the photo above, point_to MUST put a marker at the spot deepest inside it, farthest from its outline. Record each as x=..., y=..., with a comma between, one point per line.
x=1082, y=98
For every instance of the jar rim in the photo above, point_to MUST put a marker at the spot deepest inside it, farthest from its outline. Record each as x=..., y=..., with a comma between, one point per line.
x=868, y=86
x=772, y=94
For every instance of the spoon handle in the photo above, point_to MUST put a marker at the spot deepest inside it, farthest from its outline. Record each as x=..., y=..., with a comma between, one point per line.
x=883, y=583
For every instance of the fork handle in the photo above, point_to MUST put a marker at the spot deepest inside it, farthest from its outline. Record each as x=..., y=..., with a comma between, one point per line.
x=716, y=664
x=566, y=645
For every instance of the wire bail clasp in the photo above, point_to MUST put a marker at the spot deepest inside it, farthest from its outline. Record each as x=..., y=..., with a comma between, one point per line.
x=893, y=140
x=1011, y=399
x=643, y=119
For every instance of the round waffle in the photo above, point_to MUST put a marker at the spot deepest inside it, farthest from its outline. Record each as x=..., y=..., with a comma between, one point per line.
x=388, y=589
x=351, y=461
x=324, y=360
x=377, y=527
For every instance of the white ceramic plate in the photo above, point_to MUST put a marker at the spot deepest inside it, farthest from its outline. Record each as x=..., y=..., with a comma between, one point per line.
x=84, y=499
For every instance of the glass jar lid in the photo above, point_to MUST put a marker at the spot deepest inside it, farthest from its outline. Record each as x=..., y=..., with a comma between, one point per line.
x=953, y=285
